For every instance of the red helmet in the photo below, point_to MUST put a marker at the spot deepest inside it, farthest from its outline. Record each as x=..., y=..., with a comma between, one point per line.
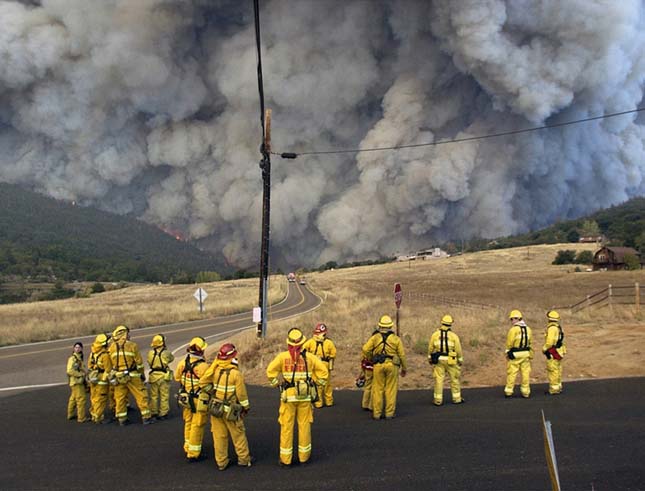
x=320, y=328
x=227, y=351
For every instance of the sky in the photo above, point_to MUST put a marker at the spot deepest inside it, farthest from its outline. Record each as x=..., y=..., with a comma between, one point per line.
x=151, y=107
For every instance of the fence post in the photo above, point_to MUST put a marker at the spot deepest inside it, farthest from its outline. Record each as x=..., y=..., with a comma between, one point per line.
x=637, y=295
x=588, y=301
x=609, y=296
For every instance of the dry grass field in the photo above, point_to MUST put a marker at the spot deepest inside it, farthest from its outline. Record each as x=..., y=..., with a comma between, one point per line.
x=602, y=342
x=135, y=306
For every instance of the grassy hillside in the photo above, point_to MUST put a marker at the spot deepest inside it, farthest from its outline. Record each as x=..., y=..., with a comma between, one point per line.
x=44, y=239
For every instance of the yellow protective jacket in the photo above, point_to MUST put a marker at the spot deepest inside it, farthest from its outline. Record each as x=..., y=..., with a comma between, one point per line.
x=225, y=382
x=520, y=340
x=283, y=370
x=438, y=345
x=75, y=369
x=188, y=376
x=125, y=356
x=99, y=365
x=324, y=349
x=552, y=337
x=158, y=361
x=386, y=343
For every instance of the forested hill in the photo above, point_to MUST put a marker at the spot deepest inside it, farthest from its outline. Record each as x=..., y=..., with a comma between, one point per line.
x=44, y=238
x=621, y=225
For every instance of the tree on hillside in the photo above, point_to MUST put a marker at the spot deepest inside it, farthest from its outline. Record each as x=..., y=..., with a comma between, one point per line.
x=632, y=262
x=590, y=228
x=584, y=257
x=639, y=243
x=565, y=257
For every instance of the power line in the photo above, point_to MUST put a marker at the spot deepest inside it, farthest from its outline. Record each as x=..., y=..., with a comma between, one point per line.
x=293, y=155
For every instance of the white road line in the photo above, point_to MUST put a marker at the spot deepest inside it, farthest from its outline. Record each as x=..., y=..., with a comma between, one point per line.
x=40, y=386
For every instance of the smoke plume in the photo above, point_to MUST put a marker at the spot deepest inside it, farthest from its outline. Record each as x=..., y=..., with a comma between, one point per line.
x=151, y=107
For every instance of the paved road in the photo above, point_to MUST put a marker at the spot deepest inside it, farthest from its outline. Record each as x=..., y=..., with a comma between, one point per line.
x=40, y=363
x=489, y=443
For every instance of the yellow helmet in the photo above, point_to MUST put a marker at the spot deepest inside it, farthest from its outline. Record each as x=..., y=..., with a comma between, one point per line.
x=515, y=314
x=295, y=337
x=120, y=332
x=552, y=315
x=197, y=345
x=158, y=340
x=385, y=322
x=447, y=320
x=101, y=340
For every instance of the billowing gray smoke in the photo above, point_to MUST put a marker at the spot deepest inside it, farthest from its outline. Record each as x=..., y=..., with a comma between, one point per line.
x=151, y=107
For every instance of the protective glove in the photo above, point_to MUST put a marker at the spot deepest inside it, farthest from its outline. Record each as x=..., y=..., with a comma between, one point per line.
x=511, y=355
x=547, y=354
x=403, y=372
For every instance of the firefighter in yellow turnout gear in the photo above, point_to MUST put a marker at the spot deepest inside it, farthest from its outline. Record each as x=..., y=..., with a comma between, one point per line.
x=325, y=349
x=228, y=405
x=127, y=376
x=445, y=354
x=99, y=367
x=554, y=350
x=188, y=373
x=159, y=377
x=76, y=376
x=385, y=350
x=297, y=373
x=519, y=352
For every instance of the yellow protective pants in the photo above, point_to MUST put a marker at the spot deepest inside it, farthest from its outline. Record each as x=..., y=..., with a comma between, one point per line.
x=384, y=389
x=439, y=373
x=76, y=403
x=326, y=393
x=289, y=413
x=159, y=397
x=98, y=401
x=136, y=387
x=366, y=403
x=524, y=367
x=554, y=373
x=221, y=429
x=194, y=424
x=111, y=401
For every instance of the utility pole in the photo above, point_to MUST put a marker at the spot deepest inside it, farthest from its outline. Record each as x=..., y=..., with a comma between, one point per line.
x=265, y=166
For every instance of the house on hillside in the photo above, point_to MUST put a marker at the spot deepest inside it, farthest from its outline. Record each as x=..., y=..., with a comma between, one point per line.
x=590, y=239
x=613, y=258
x=434, y=253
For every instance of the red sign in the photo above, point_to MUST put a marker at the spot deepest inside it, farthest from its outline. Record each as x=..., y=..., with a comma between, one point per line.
x=398, y=295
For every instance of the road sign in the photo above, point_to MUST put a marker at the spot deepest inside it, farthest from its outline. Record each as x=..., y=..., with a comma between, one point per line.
x=200, y=294
x=398, y=295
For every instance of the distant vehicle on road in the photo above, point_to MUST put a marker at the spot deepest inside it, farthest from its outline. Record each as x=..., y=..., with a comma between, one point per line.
x=291, y=277
x=303, y=281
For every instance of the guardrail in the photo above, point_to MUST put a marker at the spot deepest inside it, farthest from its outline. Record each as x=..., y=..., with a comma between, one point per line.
x=612, y=295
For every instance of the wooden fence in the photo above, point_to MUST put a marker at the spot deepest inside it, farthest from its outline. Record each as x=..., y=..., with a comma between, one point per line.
x=452, y=301
x=607, y=297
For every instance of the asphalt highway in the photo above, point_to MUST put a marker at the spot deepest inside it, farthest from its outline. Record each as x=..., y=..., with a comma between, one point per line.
x=489, y=443
x=39, y=364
